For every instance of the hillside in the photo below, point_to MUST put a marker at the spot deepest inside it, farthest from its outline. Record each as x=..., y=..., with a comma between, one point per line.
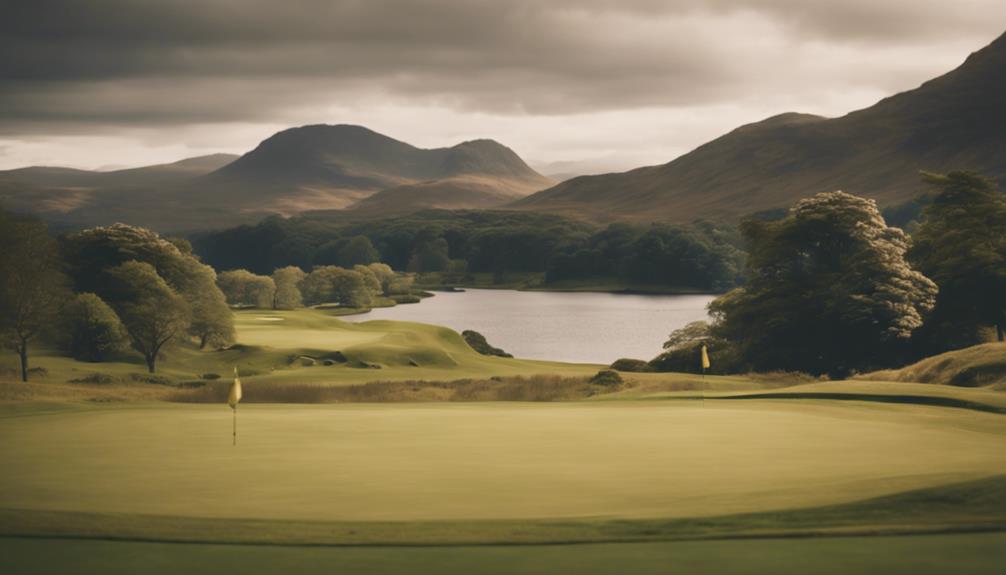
x=956, y=121
x=976, y=366
x=57, y=192
x=299, y=169
x=457, y=193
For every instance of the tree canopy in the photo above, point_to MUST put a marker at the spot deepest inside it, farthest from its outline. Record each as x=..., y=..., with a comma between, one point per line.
x=961, y=245
x=828, y=290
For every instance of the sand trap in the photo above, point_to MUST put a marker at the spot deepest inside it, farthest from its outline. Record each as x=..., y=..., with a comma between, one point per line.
x=270, y=318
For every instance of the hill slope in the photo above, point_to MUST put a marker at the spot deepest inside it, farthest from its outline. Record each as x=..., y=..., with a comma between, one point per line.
x=956, y=121
x=54, y=191
x=299, y=169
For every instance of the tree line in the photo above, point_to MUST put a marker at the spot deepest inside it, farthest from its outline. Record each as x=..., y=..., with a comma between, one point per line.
x=700, y=256
x=291, y=287
x=102, y=291
x=832, y=289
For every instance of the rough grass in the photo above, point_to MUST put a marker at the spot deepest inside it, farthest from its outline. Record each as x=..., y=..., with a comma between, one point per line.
x=532, y=388
x=980, y=365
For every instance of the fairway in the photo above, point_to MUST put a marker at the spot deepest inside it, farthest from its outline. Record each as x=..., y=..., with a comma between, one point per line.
x=418, y=462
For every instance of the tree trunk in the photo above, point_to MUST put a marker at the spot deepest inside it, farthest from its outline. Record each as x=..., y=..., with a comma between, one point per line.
x=1000, y=331
x=22, y=351
x=202, y=341
x=151, y=360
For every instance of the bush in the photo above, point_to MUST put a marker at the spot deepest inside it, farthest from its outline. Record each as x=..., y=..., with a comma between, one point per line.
x=607, y=377
x=91, y=329
x=631, y=365
x=210, y=376
x=478, y=342
x=151, y=378
x=100, y=378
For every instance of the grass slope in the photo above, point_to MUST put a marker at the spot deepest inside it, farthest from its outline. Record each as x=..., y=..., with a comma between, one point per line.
x=272, y=344
x=980, y=365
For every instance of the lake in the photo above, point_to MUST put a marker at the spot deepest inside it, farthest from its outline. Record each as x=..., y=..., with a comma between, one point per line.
x=573, y=327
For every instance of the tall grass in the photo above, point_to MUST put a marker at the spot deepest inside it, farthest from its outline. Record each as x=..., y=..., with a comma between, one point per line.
x=533, y=388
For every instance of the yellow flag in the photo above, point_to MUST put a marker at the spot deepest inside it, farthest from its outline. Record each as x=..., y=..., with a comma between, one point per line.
x=705, y=363
x=235, y=395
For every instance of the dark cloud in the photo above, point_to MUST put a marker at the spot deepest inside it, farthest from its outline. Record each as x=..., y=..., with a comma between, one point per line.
x=124, y=62
x=144, y=81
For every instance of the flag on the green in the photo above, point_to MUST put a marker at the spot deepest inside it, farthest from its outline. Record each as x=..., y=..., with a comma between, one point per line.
x=705, y=358
x=235, y=395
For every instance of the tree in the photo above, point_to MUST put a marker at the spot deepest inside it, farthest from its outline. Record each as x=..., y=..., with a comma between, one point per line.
x=370, y=278
x=92, y=252
x=91, y=330
x=828, y=290
x=358, y=251
x=287, y=294
x=332, y=284
x=212, y=321
x=431, y=256
x=32, y=284
x=241, y=287
x=152, y=312
x=961, y=245
x=384, y=274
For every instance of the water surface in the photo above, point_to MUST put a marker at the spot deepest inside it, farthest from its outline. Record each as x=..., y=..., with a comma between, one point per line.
x=574, y=327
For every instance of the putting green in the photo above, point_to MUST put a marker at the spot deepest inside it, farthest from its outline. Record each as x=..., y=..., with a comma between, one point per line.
x=487, y=461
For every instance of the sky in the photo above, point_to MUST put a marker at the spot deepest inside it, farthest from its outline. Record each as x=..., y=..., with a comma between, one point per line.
x=570, y=85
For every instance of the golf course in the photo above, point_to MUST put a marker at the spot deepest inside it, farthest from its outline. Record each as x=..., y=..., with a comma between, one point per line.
x=714, y=474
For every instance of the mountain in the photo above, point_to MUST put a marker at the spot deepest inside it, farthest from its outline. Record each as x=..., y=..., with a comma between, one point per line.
x=326, y=167
x=956, y=121
x=54, y=191
x=306, y=168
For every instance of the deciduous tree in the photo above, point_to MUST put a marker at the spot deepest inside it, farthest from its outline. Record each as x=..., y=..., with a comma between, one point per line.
x=961, y=245
x=828, y=290
x=32, y=283
x=152, y=312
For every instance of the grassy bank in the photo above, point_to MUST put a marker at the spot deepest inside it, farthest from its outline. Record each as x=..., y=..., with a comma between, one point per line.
x=307, y=346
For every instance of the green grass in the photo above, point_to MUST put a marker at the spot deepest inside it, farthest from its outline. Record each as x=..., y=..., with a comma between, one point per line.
x=271, y=341
x=975, y=554
x=472, y=463
x=980, y=365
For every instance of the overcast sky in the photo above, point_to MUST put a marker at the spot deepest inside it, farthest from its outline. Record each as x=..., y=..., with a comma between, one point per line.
x=619, y=83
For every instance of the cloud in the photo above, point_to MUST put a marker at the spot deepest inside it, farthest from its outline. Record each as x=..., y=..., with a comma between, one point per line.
x=72, y=68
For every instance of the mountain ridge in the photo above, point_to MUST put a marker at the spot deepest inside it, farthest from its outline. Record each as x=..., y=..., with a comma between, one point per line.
x=954, y=121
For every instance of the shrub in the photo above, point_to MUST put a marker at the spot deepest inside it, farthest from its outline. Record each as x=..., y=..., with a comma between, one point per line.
x=631, y=365
x=100, y=378
x=607, y=377
x=478, y=342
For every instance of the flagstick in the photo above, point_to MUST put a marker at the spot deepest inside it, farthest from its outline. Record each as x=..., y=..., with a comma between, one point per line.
x=235, y=410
